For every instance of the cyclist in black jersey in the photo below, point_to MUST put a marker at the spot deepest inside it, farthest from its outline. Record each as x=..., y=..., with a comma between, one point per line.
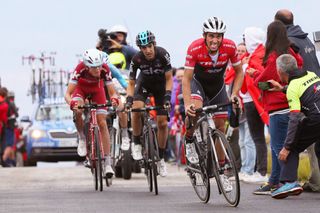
x=155, y=78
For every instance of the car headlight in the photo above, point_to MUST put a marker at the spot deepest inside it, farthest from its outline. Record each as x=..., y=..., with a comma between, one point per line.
x=37, y=133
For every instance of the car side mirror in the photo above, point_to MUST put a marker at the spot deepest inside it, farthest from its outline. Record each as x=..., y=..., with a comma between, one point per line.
x=25, y=118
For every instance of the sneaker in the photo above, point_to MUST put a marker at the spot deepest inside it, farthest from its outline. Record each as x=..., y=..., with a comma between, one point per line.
x=162, y=168
x=255, y=178
x=136, y=152
x=108, y=171
x=241, y=176
x=125, y=143
x=191, y=153
x=265, y=189
x=82, y=149
x=307, y=187
x=286, y=190
x=227, y=186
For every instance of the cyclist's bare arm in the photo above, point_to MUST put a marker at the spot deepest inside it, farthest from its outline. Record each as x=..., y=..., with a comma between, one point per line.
x=169, y=81
x=186, y=91
x=130, y=89
x=70, y=90
x=112, y=91
x=237, y=80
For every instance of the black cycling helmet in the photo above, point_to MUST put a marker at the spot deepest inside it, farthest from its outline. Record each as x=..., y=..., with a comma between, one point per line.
x=144, y=38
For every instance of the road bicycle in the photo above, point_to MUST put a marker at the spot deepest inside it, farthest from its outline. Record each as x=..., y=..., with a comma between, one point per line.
x=122, y=161
x=150, y=150
x=220, y=165
x=95, y=154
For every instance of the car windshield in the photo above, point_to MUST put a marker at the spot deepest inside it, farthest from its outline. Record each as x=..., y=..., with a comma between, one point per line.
x=54, y=112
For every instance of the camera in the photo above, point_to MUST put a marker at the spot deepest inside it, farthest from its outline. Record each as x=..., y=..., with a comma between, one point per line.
x=104, y=37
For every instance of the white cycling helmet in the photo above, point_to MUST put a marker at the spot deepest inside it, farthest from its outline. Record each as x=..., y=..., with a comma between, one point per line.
x=214, y=25
x=119, y=29
x=93, y=58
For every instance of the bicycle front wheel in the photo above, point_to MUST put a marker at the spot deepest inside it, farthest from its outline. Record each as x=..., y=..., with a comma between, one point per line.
x=154, y=158
x=225, y=171
x=99, y=168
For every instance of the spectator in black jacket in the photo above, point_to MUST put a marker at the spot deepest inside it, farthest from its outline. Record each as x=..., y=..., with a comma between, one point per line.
x=310, y=63
x=301, y=40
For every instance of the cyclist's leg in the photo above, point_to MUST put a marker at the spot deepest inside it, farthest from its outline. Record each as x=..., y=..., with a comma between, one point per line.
x=162, y=134
x=123, y=121
x=139, y=100
x=136, y=124
x=197, y=98
x=79, y=96
x=220, y=118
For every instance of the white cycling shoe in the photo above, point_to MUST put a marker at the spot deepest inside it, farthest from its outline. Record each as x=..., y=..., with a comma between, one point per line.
x=108, y=171
x=136, y=152
x=162, y=168
x=125, y=143
x=191, y=153
x=227, y=186
x=82, y=149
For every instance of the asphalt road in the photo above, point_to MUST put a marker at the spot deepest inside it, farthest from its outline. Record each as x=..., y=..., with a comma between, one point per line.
x=69, y=188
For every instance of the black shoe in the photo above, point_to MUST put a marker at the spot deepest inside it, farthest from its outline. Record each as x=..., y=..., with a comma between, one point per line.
x=86, y=164
x=307, y=188
x=265, y=189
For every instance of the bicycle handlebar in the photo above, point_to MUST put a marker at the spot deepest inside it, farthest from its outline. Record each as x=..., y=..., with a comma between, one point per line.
x=211, y=107
x=94, y=106
x=149, y=108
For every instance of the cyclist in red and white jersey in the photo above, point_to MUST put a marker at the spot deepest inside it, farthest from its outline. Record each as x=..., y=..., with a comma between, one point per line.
x=89, y=78
x=203, y=81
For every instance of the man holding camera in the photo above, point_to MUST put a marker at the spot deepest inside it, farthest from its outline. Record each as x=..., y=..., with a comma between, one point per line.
x=155, y=77
x=303, y=94
x=115, y=41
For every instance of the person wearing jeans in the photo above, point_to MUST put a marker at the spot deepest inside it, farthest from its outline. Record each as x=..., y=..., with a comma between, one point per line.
x=278, y=133
x=248, y=150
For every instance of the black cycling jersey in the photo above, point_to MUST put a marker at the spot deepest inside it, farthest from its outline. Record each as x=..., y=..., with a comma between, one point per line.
x=151, y=71
x=152, y=77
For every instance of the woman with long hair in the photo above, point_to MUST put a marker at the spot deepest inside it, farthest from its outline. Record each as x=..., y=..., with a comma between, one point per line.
x=275, y=103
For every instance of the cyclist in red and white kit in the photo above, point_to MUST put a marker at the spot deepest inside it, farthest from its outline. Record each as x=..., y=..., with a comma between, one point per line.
x=203, y=81
x=89, y=78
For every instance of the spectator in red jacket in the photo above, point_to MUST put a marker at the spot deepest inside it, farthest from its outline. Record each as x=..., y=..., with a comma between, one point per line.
x=3, y=119
x=256, y=116
x=274, y=102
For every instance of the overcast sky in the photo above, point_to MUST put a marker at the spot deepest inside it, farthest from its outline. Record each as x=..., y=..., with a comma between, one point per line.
x=68, y=27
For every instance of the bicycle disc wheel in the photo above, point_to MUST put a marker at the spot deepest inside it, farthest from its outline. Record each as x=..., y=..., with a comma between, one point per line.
x=99, y=158
x=153, y=156
x=226, y=175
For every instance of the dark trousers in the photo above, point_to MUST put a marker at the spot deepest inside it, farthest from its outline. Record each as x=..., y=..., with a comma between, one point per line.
x=256, y=127
x=306, y=136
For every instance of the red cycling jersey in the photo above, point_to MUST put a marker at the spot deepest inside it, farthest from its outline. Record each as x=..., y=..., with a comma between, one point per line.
x=86, y=84
x=82, y=76
x=209, y=70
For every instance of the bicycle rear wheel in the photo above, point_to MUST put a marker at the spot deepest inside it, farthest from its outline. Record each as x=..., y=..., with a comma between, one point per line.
x=99, y=168
x=226, y=174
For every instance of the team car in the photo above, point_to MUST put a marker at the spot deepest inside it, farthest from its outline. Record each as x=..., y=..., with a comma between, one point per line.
x=52, y=135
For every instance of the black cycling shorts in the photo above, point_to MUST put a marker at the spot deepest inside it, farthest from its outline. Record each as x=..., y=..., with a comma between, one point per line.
x=198, y=93
x=144, y=89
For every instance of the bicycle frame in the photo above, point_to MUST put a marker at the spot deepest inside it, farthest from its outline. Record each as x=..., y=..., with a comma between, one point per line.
x=208, y=116
x=93, y=125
